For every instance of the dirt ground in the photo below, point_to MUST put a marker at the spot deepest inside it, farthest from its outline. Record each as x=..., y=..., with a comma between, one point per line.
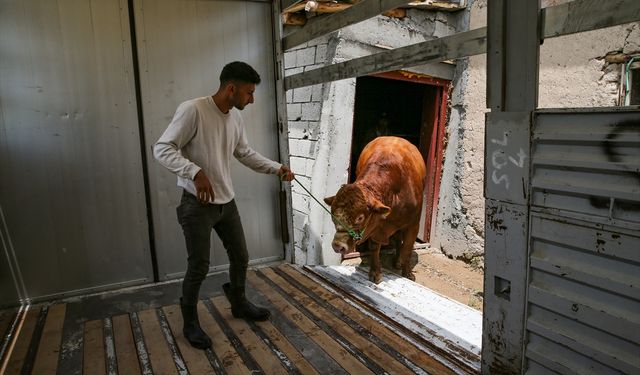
x=453, y=278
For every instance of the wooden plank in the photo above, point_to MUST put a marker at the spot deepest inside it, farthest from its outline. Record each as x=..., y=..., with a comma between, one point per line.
x=6, y=318
x=281, y=342
x=195, y=359
x=450, y=47
x=110, y=346
x=584, y=15
x=366, y=347
x=573, y=17
x=30, y=359
x=159, y=354
x=141, y=347
x=46, y=361
x=171, y=342
x=451, y=330
x=269, y=363
x=94, y=358
x=222, y=347
x=125, y=346
x=19, y=353
x=338, y=353
x=361, y=11
x=408, y=349
x=310, y=350
x=318, y=7
x=239, y=347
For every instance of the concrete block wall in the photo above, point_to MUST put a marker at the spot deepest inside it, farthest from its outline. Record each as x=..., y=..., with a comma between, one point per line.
x=304, y=106
x=321, y=118
x=570, y=76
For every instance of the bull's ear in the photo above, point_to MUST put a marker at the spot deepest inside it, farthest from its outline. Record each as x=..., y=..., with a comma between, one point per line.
x=380, y=209
x=329, y=200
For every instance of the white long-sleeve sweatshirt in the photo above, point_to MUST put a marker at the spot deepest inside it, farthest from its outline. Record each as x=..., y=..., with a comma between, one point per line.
x=200, y=136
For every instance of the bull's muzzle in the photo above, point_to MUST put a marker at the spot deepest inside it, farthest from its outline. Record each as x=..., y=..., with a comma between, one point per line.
x=341, y=242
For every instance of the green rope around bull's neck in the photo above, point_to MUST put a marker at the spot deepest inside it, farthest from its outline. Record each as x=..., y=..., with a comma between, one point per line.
x=355, y=235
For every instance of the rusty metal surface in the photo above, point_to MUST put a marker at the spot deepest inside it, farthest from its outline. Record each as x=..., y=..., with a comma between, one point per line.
x=588, y=162
x=583, y=313
x=448, y=329
x=507, y=156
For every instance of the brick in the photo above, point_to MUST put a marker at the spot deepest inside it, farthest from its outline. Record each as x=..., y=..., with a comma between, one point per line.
x=289, y=60
x=294, y=111
x=316, y=93
x=298, y=130
x=290, y=72
x=302, y=94
x=321, y=54
x=306, y=56
x=311, y=111
x=298, y=166
x=313, y=67
x=300, y=202
x=302, y=147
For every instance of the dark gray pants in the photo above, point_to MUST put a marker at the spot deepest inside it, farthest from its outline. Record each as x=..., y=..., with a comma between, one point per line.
x=197, y=220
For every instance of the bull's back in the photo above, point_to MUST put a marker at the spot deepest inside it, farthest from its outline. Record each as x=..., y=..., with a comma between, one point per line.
x=400, y=159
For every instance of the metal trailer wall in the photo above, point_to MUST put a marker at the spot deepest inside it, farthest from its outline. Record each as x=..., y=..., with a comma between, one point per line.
x=583, y=292
x=72, y=170
x=183, y=46
x=71, y=186
x=562, y=290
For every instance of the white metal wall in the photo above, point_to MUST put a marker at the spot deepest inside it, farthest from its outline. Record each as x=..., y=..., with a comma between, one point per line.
x=583, y=293
x=71, y=185
x=71, y=165
x=183, y=46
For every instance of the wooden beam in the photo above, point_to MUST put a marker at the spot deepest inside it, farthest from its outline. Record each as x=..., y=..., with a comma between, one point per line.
x=293, y=19
x=584, y=15
x=574, y=17
x=286, y=4
x=450, y=47
x=358, y=12
x=436, y=5
x=319, y=7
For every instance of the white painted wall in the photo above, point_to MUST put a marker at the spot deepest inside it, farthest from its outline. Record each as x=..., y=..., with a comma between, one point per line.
x=321, y=117
x=573, y=73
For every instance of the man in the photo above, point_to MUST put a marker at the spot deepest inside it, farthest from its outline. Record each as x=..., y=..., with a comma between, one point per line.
x=197, y=147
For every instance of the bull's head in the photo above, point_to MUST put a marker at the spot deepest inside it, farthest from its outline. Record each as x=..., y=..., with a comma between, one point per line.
x=354, y=211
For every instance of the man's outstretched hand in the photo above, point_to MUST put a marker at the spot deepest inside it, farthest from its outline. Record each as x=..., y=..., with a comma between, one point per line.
x=204, y=190
x=285, y=173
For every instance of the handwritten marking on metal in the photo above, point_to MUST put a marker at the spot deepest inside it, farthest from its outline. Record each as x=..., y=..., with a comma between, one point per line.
x=499, y=160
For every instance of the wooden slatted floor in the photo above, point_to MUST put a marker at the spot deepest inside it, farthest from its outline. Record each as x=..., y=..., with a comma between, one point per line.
x=313, y=330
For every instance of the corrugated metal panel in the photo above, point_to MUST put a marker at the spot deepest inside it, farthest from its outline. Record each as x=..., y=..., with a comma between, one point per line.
x=183, y=46
x=70, y=167
x=589, y=163
x=583, y=313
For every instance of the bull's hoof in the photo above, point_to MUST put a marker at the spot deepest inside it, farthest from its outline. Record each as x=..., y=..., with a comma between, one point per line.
x=375, y=277
x=409, y=275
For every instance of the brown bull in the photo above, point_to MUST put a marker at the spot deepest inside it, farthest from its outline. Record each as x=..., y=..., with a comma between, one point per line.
x=384, y=201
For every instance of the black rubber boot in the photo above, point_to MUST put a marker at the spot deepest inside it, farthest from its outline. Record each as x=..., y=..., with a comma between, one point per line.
x=191, y=329
x=242, y=308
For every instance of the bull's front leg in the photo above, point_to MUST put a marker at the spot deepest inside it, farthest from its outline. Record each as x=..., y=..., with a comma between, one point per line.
x=408, y=239
x=375, y=273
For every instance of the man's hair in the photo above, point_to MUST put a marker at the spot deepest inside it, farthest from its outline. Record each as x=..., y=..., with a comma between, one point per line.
x=239, y=71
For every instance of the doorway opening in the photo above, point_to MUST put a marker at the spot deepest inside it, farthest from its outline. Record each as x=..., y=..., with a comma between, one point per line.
x=410, y=106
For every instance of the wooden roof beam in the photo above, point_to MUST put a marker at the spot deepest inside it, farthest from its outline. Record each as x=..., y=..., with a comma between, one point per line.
x=569, y=18
x=450, y=47
x=317, y=27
